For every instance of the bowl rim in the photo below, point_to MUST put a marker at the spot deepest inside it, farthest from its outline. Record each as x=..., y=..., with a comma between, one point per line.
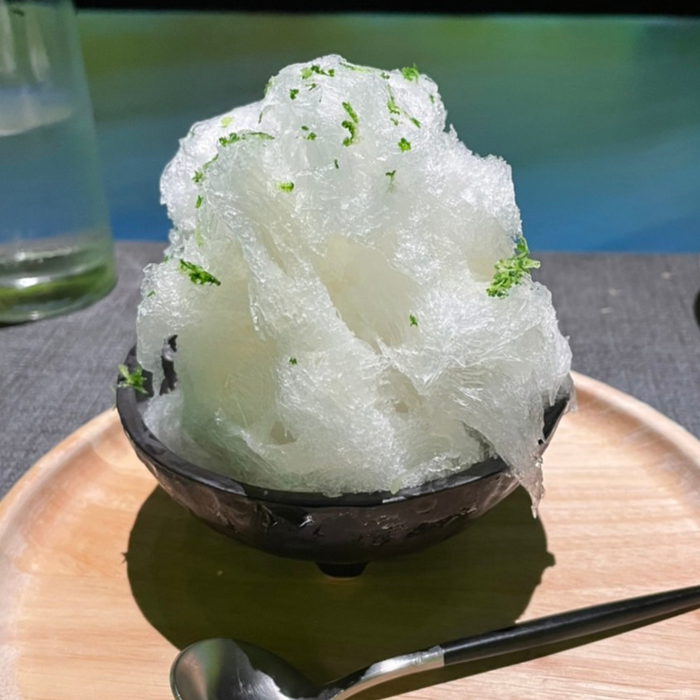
x=150, y=449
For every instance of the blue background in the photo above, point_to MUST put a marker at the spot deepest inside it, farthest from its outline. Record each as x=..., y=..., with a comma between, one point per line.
x=599, y=117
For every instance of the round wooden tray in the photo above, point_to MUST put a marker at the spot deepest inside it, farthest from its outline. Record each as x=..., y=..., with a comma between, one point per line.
x=103, y=578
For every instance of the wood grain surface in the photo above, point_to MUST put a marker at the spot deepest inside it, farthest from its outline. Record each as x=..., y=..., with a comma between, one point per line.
x=103, y=578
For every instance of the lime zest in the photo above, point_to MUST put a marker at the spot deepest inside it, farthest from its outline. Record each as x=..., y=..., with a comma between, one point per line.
x=197, y=274
x=308, y=71
x=511, y=271
x=235, y=137
x=353, y=115
x=132, y=380
x=410, y=73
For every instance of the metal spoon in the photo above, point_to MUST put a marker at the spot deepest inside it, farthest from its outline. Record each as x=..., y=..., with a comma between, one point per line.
x=223, y=669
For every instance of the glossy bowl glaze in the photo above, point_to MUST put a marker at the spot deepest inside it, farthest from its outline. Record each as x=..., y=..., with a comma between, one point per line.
x=341, y=534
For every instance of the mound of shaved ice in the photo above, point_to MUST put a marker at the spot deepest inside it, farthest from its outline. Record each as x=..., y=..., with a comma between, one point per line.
x=328, y=282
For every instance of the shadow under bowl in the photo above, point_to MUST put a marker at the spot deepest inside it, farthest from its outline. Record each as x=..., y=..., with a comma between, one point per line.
x=340, y=533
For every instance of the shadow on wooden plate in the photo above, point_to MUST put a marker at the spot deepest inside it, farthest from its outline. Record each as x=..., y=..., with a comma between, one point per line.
x=191, y=583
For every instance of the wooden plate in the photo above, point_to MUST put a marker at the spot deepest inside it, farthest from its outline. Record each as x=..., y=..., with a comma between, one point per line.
x=103, y=578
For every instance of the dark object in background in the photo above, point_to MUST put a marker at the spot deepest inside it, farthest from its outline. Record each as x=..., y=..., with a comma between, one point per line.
x=341, y=534
x=535, y=7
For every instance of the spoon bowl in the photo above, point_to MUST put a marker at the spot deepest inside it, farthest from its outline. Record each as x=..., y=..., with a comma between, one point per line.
x=232, y=670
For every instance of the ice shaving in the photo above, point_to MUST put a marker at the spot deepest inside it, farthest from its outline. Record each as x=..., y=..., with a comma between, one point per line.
x=347, y=296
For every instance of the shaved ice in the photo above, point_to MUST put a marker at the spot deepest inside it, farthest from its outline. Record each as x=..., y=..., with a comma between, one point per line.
x=350, y=293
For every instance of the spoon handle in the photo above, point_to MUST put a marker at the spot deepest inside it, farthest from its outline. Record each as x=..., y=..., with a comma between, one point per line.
x=570, y=625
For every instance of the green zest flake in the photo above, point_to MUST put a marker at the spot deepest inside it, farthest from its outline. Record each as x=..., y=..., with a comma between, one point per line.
x=410, y=73
x=286, y=186
x=234, y=137
x=293, y=94
x=335, y=162
x=315, y=68
x=226, y=121
x=150, y=294
x=351, y=126
x=197, y=177
x=312, y=86
x=511, y=271
x=209, y=162
x=199, y=201
x=384, y=75
x=395, y=109
x=268, y=85
x=197, y=274
x=413, y=320
x=432, y=99
x=391, y=176
x=134, y=380
x=404, y=145
x=311, y=136
x=348, y=108
x=292, y=360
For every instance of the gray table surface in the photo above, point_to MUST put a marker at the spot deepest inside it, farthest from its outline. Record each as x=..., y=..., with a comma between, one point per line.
x=629, y=317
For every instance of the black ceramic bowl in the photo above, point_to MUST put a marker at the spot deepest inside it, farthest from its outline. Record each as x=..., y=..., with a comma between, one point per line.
x=341, y=534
